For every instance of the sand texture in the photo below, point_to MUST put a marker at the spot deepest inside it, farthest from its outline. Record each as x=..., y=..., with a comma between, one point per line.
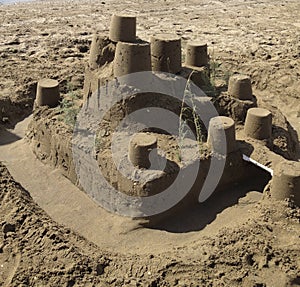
x=53, y=234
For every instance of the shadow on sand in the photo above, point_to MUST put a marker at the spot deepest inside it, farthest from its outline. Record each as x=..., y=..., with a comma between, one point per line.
x=200, y=215
x=6, y=137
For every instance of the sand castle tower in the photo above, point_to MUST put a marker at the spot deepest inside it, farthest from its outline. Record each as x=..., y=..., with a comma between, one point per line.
x=47, y=93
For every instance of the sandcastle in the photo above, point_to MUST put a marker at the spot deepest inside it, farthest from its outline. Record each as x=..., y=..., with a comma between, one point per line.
x=122, y=53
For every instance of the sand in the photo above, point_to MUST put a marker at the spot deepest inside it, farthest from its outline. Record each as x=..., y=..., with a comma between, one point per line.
x=49, y=238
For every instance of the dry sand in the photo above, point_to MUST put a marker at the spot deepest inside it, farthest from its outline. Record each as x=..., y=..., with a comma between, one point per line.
x=252, y=243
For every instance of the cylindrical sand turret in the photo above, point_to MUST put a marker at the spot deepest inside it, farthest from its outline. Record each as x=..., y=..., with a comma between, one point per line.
x=286, y=181
x=139, y=149
x=101, y=51
x=240, y=87
x=258, y=124
x=131, y=58
x=95, y=51
x=221, y=135
x=123, y=28
x=166, y=53
x=47, y=93
x=196, y=54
